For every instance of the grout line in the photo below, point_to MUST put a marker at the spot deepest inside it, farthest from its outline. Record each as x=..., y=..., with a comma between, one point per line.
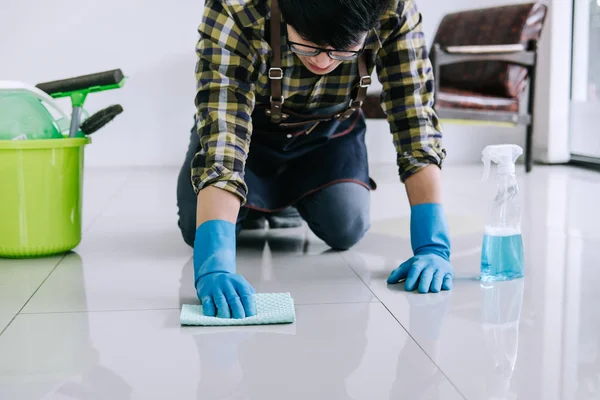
x=337, y=303
x=33, y=294
x=178, y=308
x=99, y=311
x=404, y=328
x=100, y=213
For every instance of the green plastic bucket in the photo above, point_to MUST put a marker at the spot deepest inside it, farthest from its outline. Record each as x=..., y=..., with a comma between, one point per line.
x=41, y=190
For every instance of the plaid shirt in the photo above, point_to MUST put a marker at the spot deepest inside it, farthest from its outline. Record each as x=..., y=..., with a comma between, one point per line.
x=233, y=60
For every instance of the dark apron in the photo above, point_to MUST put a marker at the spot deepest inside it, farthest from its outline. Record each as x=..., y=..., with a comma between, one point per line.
x=293, y=155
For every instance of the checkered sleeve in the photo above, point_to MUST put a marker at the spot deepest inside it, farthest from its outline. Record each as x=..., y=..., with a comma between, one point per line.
x=225, y=75
x=406, y=75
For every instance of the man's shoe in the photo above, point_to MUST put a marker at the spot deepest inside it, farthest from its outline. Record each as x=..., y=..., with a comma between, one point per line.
x=254, y=221
x=288, y=218
x=254, y=224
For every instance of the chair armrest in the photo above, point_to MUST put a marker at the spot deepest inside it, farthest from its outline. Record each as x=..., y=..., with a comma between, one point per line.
x=512, y=54
x=492, y=49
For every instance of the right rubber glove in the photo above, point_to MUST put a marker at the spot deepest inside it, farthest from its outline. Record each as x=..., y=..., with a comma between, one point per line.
x=223, y=293
x=429, y=269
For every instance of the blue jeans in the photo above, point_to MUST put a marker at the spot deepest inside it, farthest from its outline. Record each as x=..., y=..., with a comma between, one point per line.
x=338, y=214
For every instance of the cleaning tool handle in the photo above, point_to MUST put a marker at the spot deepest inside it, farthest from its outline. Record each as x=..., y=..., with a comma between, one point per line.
x=75, y=120
x=15, y=85
x=84, y=82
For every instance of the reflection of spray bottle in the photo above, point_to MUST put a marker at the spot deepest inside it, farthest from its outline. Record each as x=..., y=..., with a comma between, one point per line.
x=502, y=250
x=502, y=303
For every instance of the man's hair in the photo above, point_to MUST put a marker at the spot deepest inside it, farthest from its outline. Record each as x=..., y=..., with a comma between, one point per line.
x=337, y=23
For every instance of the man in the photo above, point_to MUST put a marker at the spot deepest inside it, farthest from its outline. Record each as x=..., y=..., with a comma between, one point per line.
x=279, y=125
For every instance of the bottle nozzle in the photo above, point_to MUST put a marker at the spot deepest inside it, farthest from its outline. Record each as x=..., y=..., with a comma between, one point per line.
x=504, y=155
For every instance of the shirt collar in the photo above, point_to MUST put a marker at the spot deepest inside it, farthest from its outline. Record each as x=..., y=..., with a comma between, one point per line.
x=373, y=42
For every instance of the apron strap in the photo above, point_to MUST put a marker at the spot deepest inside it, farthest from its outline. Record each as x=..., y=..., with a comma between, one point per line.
x=276, y=74
x=363, y=85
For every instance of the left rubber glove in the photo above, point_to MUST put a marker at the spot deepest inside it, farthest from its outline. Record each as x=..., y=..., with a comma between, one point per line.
x=429, y=269
x=223, y=293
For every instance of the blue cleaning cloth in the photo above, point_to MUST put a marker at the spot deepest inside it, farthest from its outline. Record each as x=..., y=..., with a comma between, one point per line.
x=271, y=308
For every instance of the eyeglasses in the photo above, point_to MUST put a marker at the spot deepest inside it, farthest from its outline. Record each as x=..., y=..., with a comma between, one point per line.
x=311, y=51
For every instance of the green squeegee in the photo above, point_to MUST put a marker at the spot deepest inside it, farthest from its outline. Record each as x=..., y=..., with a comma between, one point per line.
x=79, y=87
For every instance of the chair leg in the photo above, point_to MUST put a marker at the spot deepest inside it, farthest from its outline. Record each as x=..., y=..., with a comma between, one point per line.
x=528, y=150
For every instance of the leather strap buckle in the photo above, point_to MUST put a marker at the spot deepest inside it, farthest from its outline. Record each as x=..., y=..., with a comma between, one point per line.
x=275, y=73
x=348, y=113
x=282, y=116
x=279, y=102
x=365, y=81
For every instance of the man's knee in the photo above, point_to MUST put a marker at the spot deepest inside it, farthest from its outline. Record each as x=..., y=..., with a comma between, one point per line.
x=344, y=234
x=339, y=214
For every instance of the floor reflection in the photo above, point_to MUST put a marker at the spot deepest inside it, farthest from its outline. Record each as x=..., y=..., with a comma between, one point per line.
x=313, y=363
x=502, y=303
x=63, y=362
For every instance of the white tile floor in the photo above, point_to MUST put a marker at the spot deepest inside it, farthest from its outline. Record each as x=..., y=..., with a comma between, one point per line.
x=102, y=322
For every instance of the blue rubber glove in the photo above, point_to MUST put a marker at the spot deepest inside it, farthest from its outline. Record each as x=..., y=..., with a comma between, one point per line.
x=223, y=293
x=429, y=269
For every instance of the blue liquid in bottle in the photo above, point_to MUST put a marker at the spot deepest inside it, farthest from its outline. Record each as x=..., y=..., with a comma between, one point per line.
x=501, y=258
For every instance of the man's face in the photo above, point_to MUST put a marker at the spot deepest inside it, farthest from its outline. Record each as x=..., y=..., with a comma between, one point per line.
x=320, y=64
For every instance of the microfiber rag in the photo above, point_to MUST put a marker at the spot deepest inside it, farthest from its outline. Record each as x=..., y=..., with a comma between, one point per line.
x=271, y=308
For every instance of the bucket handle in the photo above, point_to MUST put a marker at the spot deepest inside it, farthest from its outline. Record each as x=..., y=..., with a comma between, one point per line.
x=15, y=85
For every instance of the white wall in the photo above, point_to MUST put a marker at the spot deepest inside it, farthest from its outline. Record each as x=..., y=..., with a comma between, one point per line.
x=551, y=142
x=153, y=42
x=585, y=141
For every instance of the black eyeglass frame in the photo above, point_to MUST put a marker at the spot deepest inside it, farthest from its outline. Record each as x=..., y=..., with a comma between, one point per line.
x=354, y=56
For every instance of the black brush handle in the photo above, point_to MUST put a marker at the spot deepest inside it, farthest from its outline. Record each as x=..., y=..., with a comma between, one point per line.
x=100, y=118
x=82, y=82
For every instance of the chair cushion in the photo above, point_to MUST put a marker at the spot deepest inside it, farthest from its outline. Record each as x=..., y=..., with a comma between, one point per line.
x=512, y=24
x=449, y=98
x=463, y=99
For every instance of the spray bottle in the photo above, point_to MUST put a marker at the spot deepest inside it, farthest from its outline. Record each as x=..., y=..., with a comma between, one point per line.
x=502, y=249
